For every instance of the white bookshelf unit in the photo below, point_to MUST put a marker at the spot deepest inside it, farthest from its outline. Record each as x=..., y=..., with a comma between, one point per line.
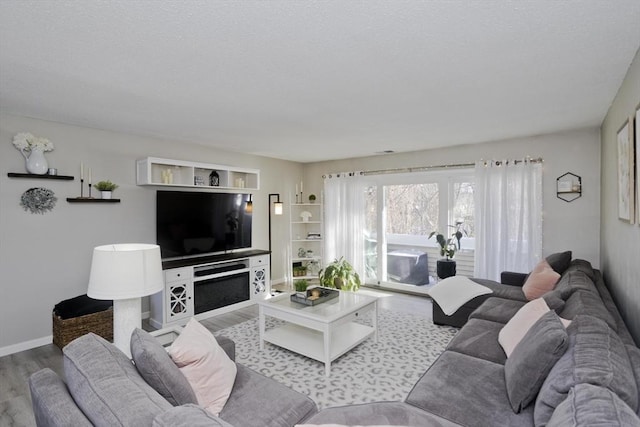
x=182, y=173
x=306, y=235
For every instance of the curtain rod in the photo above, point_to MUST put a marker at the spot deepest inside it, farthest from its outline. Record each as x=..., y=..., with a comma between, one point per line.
x=449, y=166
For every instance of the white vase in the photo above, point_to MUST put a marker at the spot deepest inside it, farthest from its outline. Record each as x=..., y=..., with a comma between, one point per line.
x=36, y=162
x=105, y=194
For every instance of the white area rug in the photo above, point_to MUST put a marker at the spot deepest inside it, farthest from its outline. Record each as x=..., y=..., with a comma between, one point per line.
x=387, y=370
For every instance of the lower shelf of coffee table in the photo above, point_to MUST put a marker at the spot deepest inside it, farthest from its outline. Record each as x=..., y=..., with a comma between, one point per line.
x=310, y=342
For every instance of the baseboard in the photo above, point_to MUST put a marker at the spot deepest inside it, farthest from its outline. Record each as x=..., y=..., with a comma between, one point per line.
x=26, y=345
x=146, y=315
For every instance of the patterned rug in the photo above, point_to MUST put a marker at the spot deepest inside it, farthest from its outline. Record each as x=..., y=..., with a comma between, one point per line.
x=387, y=370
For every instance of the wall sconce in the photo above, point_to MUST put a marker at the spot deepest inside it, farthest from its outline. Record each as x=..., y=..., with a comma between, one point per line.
x=249, y=206
x=277, y=210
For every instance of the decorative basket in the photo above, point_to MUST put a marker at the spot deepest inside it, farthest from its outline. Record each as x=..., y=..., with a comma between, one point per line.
x=66, y=330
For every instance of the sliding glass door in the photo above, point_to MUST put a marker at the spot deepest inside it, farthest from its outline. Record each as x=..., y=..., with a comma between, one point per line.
x=401, y=212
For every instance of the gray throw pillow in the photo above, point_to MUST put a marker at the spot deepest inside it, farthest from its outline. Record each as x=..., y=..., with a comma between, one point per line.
x=158, y=370
x=559, y=261
x=106, y=386
x=532, y=359
x=597, y=356
x=590, y=405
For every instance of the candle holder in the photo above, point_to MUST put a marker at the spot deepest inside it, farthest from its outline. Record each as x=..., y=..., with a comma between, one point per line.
x=81, y=187
x=90, y=191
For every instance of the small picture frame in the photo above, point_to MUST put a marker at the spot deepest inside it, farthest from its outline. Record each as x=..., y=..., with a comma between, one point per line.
x=626, y=172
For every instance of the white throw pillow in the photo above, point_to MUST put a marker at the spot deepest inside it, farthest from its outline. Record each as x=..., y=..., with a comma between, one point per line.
x=516, y=328
x=205, y=365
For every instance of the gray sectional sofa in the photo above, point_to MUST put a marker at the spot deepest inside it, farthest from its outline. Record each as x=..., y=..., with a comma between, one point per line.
x=594, y=382
x=591, y=376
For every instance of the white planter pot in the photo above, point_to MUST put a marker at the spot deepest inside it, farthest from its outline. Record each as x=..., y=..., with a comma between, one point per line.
x=105, y=194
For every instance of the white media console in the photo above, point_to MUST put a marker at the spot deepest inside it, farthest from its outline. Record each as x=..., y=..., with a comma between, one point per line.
x=206, y=286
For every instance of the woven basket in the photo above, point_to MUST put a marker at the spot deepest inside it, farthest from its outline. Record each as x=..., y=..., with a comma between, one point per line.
x=66, y=330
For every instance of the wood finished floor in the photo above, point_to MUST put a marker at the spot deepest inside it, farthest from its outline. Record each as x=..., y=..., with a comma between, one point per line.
x=15, y=369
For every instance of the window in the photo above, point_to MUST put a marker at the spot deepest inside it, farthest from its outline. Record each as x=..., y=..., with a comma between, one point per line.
x=401, y=212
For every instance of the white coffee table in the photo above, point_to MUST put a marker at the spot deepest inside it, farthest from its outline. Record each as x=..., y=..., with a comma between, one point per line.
x=322, y=332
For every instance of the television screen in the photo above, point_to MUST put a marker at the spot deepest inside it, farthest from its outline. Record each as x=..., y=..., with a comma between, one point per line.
x=198, y=223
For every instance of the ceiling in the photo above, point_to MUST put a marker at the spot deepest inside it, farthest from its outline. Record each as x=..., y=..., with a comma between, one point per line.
x=317, y=80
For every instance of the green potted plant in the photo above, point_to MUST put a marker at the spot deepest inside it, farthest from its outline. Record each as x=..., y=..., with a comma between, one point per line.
x=105, y=188
x=300, y=286
x=340, y=275
x=312, y=198
x=448, y=247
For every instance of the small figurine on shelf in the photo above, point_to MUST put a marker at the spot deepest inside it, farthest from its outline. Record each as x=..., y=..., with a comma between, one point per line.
x=214, y=179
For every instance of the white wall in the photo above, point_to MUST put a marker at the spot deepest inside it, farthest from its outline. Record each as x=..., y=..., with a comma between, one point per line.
x=574, y=226
x=620, y=250
x=46, y=258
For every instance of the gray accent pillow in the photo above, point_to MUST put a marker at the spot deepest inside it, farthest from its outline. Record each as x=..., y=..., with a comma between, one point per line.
x=559, y=261
x=597, y=356
x=532, y=359
x=158, y=370
x=590, y=405
x=189, y=416
x=107, y=387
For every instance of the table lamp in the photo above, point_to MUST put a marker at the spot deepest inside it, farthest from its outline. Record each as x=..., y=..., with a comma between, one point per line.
x=124, y=273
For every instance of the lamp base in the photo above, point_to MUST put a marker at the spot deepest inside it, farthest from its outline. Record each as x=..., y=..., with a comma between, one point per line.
x=127, y=315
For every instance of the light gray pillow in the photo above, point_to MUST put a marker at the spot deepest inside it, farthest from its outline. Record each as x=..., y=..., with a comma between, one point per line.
x=107, y=387
x=597, y=356
x=532, y=359
x=158, y=370
x=590, y=405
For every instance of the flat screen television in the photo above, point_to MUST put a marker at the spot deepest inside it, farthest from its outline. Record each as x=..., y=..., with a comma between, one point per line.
x=192, y=223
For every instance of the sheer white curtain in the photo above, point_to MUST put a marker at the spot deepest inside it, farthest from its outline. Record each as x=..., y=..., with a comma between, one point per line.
x=344, y=219
x=508, y=217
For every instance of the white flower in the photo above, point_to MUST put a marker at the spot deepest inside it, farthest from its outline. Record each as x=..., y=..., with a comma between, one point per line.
x=26, y=141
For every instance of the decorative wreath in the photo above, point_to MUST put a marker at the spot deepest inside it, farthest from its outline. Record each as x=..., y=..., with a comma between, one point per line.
x=38, y=200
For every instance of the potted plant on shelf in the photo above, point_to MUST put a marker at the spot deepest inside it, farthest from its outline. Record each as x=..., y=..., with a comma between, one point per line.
x=300, y=270
x=340, y=275
x=312, y=198
x=105, y=188
x=448, y=247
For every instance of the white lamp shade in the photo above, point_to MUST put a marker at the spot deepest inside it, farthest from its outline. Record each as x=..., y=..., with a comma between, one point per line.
x=277, y=208
x=123, y=271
